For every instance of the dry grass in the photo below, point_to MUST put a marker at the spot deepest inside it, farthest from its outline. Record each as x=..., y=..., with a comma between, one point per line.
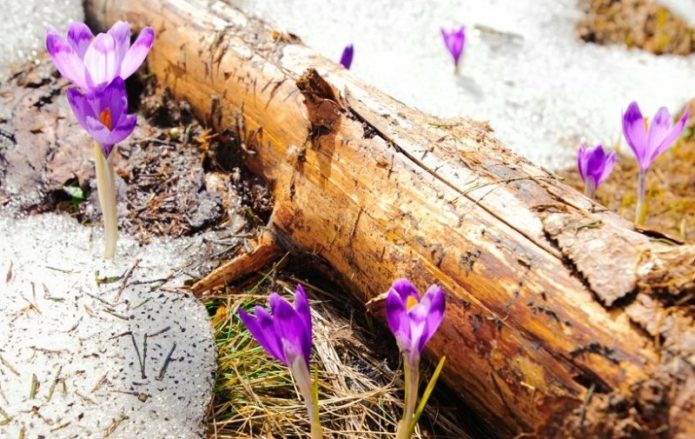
x=359, y=392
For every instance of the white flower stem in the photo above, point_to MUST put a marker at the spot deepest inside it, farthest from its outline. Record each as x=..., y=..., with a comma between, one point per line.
x=301, y=375
x=589, y=188
x=106, y=187
x=411, y=376
x=641, y=209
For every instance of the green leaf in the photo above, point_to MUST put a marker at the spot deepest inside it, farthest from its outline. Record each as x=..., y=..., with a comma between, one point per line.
x=75, y=192
x=426, y=394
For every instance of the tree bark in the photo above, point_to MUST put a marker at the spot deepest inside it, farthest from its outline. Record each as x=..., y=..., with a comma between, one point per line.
x=562, y=319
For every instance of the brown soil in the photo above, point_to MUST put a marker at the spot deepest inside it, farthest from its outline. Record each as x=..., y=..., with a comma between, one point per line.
x=169, y=178
x=670, y=187
x=642, y=24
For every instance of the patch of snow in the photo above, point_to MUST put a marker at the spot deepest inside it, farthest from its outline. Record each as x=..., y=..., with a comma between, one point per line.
x=24, y=25
x=683, y=8
x=96, y=349
x=524, y=69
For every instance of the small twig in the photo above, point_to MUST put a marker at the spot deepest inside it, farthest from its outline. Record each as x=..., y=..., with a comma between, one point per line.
x=8, y=365
x=122, y=334
x=7, y=417
x=160, y=332
x=85, y=398
x=97, y=298
x=142, y=303
x=99, y=383
x=587, y=398
x=34, y=386
x=137, y=352
x=167, y=360
x=124, y=280
x=8, y=276
x=114, y=425
x=115, y=314
x=60, y=427
x=56, y=380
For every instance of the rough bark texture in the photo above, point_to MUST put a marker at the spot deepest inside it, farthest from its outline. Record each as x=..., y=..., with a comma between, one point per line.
x=562, y=320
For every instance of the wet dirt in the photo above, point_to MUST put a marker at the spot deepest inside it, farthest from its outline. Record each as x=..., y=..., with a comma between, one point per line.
x=169, y=178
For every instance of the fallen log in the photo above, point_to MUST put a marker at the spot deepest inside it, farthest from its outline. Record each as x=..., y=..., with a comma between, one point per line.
x=562, y=319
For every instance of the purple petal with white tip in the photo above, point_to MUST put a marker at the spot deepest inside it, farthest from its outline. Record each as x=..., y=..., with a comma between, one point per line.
x=66, y=59
x=137, y=53
x=79, y=37
x=673, y=134
x=635, y=132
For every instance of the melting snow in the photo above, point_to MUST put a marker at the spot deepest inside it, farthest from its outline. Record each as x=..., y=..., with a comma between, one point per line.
x=96, y=349
x=524, y=70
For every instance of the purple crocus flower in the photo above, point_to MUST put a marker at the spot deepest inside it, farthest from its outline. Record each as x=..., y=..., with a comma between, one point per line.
x=594, y=165
x=455, y=40
x=103, y=113
x=412, y=320
x=285, y=333
x=648, y=141
x=89, y=61
x=346, y=57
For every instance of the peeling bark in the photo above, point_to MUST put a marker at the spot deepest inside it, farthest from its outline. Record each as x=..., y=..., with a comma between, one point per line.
x=543, y=331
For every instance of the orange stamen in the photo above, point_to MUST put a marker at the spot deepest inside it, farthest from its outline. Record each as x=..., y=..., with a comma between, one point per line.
x=105, y=118
x=410, y=302
x=646, y=124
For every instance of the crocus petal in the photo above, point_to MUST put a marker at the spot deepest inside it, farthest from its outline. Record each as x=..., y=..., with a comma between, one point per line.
x=114, y=97
x=581, y=161
x=98, y=131
x=419, y=334
x=394, y=309
x=454, y=41
x=137, y=52
x=80, y=106
x=66, y=59
x=120, y=32
x=122, y=130
x=434, y=303
x=658, y=129
x=290, y=327
x=261, y=328
x=346, y=57
x=636, y=135
x=301, y=305
x=405, y=289
x=673, y=134
x=398, y=320
x=595, y=162
x=101, y=61
x=106, y=150
x=608, y=165
x=79, y=37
